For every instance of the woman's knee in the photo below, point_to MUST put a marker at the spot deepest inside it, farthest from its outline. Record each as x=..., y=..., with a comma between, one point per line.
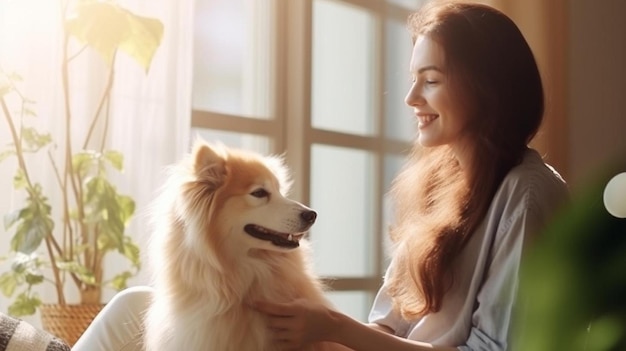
x=119, y=326
x=135, y=298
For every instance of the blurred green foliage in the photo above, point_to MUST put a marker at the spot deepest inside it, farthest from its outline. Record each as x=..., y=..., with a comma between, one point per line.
x=573, y=287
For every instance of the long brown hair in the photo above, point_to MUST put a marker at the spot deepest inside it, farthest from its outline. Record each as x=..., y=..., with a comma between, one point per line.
x=439, y=205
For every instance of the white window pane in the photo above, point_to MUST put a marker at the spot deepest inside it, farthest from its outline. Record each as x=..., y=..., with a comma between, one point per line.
x=343, y=68
x=232, y=57
x=393, y=165
x=355, y=304
x=399, y=121
x=342, y=192
x=244, y=141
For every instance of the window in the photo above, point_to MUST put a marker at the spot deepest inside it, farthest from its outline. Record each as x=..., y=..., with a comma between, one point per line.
x=323, y=81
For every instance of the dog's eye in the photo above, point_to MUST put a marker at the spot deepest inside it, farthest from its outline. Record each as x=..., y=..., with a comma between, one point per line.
x=260, y=193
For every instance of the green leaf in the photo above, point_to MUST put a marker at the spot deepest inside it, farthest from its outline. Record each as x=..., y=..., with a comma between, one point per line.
x=35, y=141
x=29, y=235
x=145, y=39
x=8, y=283
x=126, y=206
x=19, y=180
x=6, y=154
x=132, y=252
x=21, y=263
x=84, y=161
x=34, y=224
x=100, y=25
x=109, y=212
x=24, y=305
x=119, y=282
x=34, y=278
x=83, y=273
x=107, y=27
x=5, y=89
x=115, y=158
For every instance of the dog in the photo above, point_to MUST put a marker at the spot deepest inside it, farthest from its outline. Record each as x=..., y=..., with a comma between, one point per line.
x=224, y=237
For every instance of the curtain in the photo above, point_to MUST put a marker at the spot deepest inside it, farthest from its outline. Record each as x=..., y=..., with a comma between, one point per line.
x=150, y=112
x=152, y=124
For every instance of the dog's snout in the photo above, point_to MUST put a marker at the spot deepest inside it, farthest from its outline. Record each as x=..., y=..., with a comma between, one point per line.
x=308, y=216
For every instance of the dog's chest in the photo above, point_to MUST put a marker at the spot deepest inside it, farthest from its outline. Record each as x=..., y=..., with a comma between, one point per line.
x=237, y=330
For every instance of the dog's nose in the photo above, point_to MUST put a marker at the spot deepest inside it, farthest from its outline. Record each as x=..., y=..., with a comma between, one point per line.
x=308, y=216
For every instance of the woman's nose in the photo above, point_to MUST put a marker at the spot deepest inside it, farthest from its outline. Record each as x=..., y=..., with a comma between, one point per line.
x=414, y=97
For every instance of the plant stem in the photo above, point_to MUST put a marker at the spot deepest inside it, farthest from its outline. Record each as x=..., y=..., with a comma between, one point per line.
x=66, y=256
x=77, y=53
x=92, y=259
x=58, y=284
x=105, y=97
x=17, y=141
x=50, y=240
x=105, y=130
x=66, y=214
x=70, y=173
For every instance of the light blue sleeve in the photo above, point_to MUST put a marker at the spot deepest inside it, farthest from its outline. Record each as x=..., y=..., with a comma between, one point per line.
x=492, y=320
x=495, y=300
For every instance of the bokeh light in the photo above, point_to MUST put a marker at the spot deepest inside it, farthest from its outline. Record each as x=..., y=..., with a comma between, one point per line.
x=615, y=196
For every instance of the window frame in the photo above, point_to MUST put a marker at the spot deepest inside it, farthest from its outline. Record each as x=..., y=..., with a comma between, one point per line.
x=290, y=127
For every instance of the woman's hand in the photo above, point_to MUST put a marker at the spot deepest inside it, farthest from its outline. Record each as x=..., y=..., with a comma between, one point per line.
x=294, y=325
x=298, y=323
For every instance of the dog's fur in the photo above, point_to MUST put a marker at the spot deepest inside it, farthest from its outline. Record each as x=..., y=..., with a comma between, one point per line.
x=225, y=236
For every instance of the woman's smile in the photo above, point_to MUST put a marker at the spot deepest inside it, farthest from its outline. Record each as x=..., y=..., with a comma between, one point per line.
x=425, y=119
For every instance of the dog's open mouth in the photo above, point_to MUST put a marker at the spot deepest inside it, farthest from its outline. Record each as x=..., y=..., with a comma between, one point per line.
x=286, y=240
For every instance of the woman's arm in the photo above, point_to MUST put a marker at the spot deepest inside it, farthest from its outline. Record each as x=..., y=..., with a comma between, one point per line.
x=301, y=322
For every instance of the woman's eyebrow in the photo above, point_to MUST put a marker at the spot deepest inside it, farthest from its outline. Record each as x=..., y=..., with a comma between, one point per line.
x=429, y=68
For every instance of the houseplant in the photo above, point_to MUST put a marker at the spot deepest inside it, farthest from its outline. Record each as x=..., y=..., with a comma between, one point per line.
x=64, y=238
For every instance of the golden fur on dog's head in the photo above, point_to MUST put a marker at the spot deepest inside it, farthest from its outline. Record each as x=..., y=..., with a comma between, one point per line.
x=228, y=201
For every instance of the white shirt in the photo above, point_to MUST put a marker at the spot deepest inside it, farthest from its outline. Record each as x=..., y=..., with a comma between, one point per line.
x=476, y=314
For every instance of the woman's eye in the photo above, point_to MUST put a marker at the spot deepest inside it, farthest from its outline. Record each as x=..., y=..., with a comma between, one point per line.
x=431, y=82
x=260, y=193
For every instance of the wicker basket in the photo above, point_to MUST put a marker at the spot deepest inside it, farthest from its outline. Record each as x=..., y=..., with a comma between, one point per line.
x=68, y=322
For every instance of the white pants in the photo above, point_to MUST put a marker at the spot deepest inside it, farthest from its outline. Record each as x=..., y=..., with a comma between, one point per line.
x=119, y=326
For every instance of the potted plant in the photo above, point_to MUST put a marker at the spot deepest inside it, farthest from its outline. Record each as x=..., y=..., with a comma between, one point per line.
x=65, y=241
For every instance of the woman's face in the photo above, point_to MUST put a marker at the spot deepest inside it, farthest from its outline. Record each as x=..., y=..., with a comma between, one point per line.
x=441, y=120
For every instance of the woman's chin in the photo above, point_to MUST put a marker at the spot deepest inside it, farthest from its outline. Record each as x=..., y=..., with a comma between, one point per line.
x=425, y=141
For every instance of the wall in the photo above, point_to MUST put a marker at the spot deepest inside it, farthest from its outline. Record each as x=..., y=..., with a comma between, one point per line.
x=596, y=85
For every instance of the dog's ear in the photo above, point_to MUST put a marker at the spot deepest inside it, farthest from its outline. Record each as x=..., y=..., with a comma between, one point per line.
x=209, y=164
x=277, y=165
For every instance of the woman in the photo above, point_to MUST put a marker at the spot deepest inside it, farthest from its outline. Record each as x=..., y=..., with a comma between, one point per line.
x=470, y=199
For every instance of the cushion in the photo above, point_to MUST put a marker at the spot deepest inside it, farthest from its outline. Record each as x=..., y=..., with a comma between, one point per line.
x=17, y=335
